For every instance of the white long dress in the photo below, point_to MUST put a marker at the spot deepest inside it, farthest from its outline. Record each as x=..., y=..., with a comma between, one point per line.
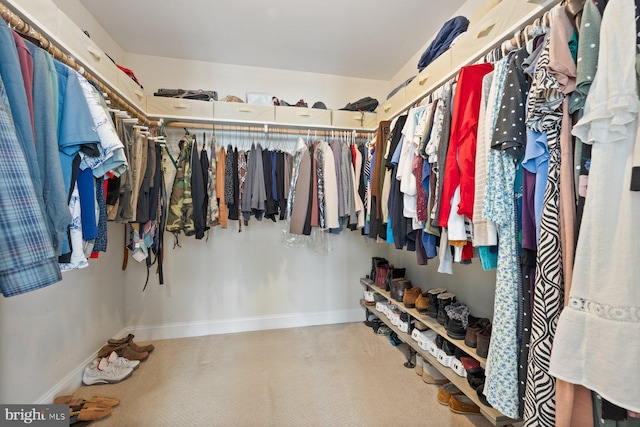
x=597, y=342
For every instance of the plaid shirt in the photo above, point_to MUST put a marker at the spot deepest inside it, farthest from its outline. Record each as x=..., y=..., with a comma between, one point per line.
x=27, y=259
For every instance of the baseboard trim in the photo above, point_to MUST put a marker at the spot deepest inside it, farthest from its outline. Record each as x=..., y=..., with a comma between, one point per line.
x=73, y=380
x=218, y=327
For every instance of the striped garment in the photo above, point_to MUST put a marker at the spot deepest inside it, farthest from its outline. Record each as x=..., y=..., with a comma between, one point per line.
x=27, y=259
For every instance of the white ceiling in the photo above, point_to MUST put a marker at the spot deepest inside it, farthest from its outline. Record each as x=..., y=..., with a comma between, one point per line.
x=359, y=38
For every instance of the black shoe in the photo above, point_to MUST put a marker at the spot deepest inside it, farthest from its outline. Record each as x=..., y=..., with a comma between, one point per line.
x=444, y=300
x=433, y=301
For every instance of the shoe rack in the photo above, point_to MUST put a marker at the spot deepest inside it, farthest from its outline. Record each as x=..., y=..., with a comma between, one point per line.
x=494, y=416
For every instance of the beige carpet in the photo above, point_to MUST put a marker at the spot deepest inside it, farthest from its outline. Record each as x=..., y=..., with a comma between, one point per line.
x=338, y=375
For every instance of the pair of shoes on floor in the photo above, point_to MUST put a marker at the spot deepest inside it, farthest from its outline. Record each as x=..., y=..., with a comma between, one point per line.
x=451, y=395
x=394, y=339
x=109, y=370
x=125, y=347
x=83, y=412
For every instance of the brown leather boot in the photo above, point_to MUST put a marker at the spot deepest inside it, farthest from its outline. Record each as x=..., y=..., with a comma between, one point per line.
x=473, y=328
x=484, y=339
x=410, y=296
x=422, y=303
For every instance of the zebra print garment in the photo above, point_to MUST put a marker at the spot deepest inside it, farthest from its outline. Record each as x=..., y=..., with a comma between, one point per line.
x=545, y=115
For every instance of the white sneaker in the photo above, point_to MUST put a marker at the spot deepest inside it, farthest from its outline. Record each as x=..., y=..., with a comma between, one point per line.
x=114, y=358
x=100, y=371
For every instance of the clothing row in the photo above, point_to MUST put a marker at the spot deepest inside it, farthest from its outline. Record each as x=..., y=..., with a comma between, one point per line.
x=64, y=169
x=213, y=185
x=484, y=168
x=326, y=190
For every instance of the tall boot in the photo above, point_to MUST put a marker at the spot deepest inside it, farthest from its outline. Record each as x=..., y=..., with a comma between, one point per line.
x=444, y=300
x=433, y=301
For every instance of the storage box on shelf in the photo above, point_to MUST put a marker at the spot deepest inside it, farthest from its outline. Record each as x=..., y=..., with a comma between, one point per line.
x=181, y=109
x=131, y=91
x=392, y=106
x=85, y=51
x=431, y=77
x=237, y=112
x=354, y=119
x=42, y=13
x=459, y=381
x=311, y=117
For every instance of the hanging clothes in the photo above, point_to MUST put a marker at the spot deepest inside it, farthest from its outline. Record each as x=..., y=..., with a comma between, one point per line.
x=180, y=216
x=604, y=298
x=198, y=192
x=46, y=145
x=28, y=261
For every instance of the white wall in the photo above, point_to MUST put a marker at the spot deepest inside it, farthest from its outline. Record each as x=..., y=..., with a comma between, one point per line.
x=49, y=333
x=471, y=284
x=156, y=72
x=248, y=281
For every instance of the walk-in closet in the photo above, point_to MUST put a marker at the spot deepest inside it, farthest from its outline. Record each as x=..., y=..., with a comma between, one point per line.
x=319, y=214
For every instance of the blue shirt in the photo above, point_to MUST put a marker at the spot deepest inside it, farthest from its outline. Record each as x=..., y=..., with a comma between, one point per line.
x=75, y=124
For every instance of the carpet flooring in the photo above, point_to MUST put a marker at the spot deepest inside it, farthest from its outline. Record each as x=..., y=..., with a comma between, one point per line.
x=337, y=375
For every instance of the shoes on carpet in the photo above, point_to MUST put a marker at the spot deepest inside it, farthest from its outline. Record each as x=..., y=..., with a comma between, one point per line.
x=393, y=338
x=123, y=361
x=129, y=341
x=123, y=350
x=383, y=330
x=100, y=371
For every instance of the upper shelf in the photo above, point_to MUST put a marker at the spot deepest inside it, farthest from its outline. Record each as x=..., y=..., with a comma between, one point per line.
x=64, y=33
x=494, y=27
x=497, y=25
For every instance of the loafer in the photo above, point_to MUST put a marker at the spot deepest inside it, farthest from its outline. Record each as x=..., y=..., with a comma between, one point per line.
x=461, y=404
x=446, y=391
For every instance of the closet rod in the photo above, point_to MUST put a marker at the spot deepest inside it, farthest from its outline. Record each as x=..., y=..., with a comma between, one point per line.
x=542, y=17
x=18, y=24
x=258, y=128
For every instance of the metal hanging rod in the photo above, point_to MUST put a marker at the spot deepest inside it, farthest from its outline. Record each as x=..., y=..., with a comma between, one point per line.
x=258, y=128
x=18, y=24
